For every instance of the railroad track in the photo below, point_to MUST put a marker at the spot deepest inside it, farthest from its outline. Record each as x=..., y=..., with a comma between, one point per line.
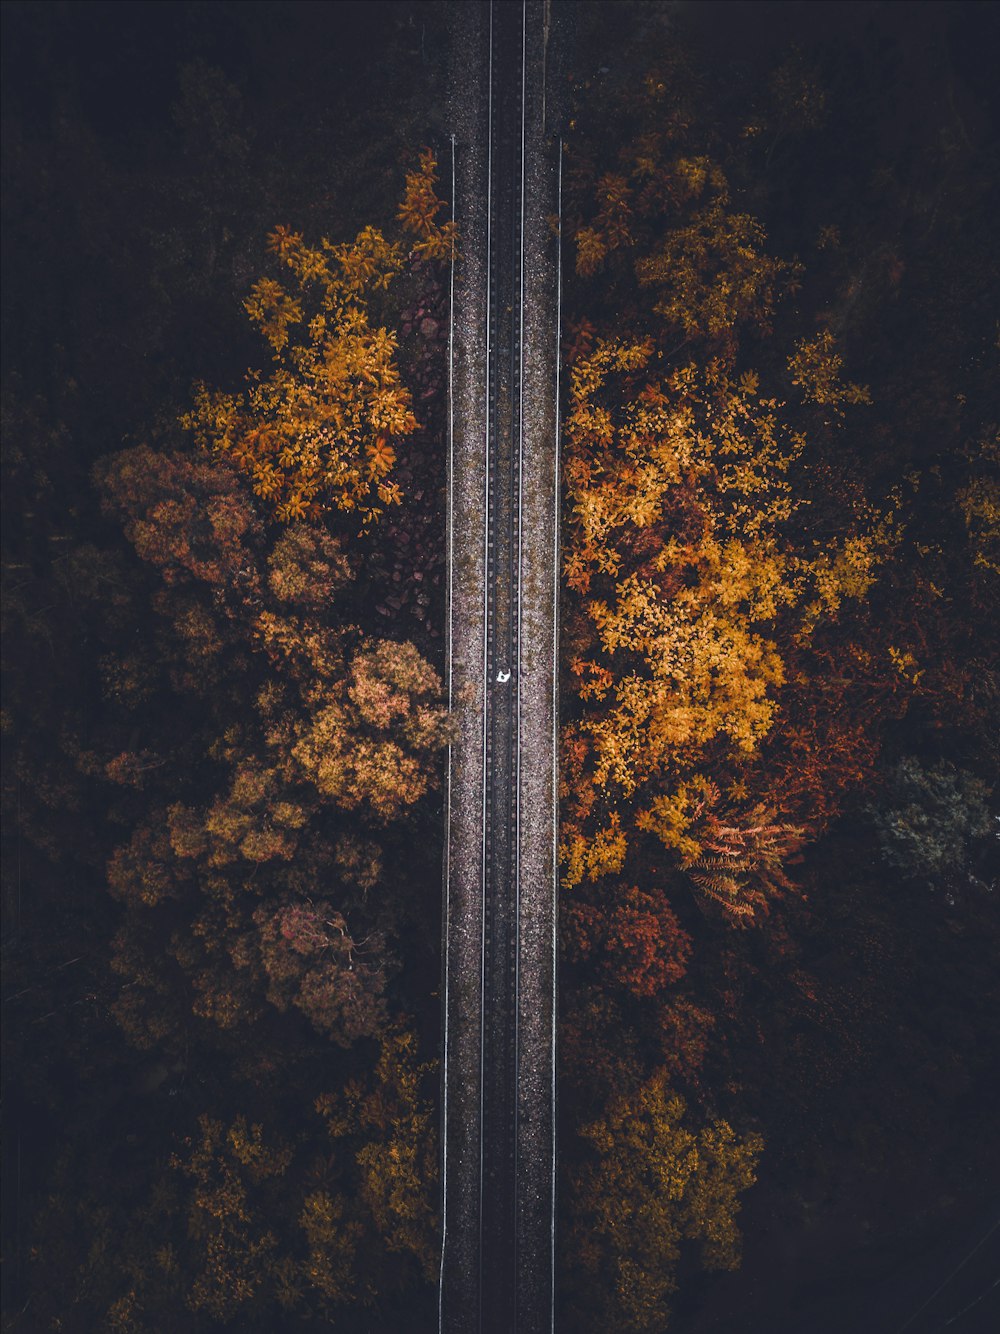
x=498, y=1140
x=501, y=788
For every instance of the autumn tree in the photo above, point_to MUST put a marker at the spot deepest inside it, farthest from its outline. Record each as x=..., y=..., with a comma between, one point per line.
x=708, y=541
x=235, y=1248
x=242, y=1223
x=697, y=589
x=779, y=588
x=723, y=678
x=321, y=430
x=330, y=722
x=390, y=1124
x=301, y=732
x=150, y=809
x=312, y=963
x=638, y=938
x=650, y=1184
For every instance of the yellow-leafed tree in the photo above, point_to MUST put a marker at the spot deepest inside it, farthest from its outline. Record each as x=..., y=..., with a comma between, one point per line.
x=652, y=1183
x=694, y=584
x=321, y=429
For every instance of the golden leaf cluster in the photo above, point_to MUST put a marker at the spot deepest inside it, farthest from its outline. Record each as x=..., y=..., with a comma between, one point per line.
x=419, y=210
x=654, y=1182
x=321, y=429
x=684, y=549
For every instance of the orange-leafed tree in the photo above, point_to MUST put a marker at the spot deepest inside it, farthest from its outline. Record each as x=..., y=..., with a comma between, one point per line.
x=711, y=539
x=254, y=842
x=696, y=588
x=321, y=429
x=636, y=937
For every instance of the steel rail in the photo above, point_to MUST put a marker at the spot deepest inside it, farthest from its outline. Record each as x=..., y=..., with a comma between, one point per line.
x=446, y=944
x=557, y=443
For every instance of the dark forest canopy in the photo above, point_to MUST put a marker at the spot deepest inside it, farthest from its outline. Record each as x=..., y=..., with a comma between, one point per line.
x=780, y=697
x=223, y=648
